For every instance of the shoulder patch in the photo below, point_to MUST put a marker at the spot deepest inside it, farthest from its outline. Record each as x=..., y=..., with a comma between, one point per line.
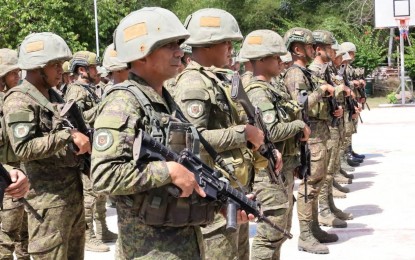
x=103, y=140
x=21, y=130
x=269, y=117
x=195, y=108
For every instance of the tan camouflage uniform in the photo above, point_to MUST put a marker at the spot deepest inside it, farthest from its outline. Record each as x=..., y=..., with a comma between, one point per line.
x=204, y=99
x=53, y=170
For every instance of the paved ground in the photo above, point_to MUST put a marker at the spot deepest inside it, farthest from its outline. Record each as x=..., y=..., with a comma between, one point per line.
x=382, y=196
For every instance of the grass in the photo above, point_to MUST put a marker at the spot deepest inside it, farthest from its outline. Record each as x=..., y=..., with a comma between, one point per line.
x=375, y=101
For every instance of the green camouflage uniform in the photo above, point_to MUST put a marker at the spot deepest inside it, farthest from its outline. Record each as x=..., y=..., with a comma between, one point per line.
x=53, y=169
x=86, y=98
x=203, y=96
x=274, y=203
x=120, y=116
x=296, y=81
x=246, y=77
x=350, y=126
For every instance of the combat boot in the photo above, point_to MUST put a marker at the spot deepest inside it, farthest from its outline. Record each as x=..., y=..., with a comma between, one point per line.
x=93, y=244
x=338, y=194
x=360, y=156
x=344, y=165
x=330, y=220
x=341, y=179
x=103, y=233
x=345, y=174
x=351, y=160
x=307, y=242
x=338, y=212
x=325, y=216
x=340, y=188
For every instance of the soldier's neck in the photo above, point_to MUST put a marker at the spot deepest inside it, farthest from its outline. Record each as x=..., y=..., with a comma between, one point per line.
x=37, y=81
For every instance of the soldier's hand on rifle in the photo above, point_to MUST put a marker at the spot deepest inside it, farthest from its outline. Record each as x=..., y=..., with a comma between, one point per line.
x=347, y=90
x=338, y=112
x=362, y=100
x=279, y=164
x=255, y=136
x=328, y=88
x=353, y=95
x=356, y=83
x=241, y=216
x=362, y=83
x=81, y=141
x=20, y=184
x=306, y=134
x=184, y=179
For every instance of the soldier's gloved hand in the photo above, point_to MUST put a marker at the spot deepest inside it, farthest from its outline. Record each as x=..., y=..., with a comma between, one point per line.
x=338, y=112
x=184, y=179
x=20, y=184
x=255, y=136
x=81, y=141
x=306, y=134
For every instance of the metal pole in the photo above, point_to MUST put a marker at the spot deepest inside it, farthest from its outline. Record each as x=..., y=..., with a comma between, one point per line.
x=96, y=27
x=402, y=69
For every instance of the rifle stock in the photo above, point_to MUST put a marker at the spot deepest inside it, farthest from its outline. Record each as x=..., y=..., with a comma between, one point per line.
x=146, y=148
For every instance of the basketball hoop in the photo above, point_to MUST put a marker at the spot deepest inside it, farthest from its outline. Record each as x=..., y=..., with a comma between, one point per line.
x=403, y=24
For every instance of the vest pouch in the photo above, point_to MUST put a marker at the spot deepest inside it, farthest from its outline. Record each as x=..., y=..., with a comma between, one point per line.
x=154, y=207
x=203, y=212
x=241, y=161
x=320, y=111
x=178, y=211
x=176, y=136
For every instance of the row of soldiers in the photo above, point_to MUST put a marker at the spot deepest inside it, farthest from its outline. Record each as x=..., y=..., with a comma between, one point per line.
x=182, y=98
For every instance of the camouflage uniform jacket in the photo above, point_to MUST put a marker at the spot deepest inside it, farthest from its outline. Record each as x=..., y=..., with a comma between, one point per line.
x=204, y=99
x=34, y=130
x=246, y=77
x=86, y=98
x=263, y=95
x=296, y=81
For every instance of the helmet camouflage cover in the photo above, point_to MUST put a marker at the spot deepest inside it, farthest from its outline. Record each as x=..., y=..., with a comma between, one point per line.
x=83, y=58
x=261, y=43
x=8, y=61
x=298, y=34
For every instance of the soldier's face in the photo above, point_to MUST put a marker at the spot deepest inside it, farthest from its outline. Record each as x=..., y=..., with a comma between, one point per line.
x=12, y=78
x=310, y=53
x=221, y=54
x=165, y=61
x=53, y=71
x=273, y=64
x=93, y=73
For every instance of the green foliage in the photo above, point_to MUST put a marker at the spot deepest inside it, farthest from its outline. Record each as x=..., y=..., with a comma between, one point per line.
x=392, y=98
x=410, y=59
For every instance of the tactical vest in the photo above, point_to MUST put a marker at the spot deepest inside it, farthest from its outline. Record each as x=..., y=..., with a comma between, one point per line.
x=319, y=111
x=7, y=154
x=239, y=160
x=157, y=207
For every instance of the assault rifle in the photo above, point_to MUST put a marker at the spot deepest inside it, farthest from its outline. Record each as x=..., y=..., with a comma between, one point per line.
x=147, y=148
x=5, y=182
x=305, y=155
x=333, y=105
x=76, y=121
x=350, y=102
x=360, y=73
x=268, y=149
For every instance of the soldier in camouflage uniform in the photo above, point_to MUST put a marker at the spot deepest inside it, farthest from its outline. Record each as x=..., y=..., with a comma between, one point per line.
x=84, y=66
x=66, y=80
x=248, y=70
x=117, y=69
x=263, y=48
x=152, y=223
x=13, y=233
x=170, y=84
x=300, y=83
x=203, y=94
x=46, y=150
x=326, y=46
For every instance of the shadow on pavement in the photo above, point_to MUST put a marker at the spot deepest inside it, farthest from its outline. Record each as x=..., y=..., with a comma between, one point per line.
x=353, y=230
x=359, y=185
x=361, y=175
x=373, y=155
x=367, y=162
x=364, y=210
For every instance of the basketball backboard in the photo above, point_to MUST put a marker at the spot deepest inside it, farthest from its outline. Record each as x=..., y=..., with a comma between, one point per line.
x=387, y=11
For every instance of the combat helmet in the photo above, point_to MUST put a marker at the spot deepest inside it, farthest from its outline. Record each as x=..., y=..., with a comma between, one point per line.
x=111, y=61
x=145, y=30
x=37, y=49
x=324, y=37
x=286, y=58
x=349, y=46
x=186, y=48
x=8, y=61
x=66, y=67
x=83, y=59
x=298, y=34
x=262, y=43
x=211, y=26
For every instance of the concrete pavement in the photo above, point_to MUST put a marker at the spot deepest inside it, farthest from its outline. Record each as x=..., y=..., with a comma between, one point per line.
x=382, y=197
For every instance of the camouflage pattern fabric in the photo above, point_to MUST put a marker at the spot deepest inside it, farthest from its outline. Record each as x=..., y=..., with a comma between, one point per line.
x=246, y=77
x=120, y=115
x=170, y=86
x=13, y=234
x=295, y=80
x=60, y=236
x=52, y=168
x=86, y=98
x=204, y=99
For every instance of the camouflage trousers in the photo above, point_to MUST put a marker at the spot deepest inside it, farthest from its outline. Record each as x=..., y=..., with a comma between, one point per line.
x=13, y=234
x=350, y=128
x=277, y=207
x=139, y=241
x=220, y=243
x=60, y=236
x=305, y=210
x=95, y=207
